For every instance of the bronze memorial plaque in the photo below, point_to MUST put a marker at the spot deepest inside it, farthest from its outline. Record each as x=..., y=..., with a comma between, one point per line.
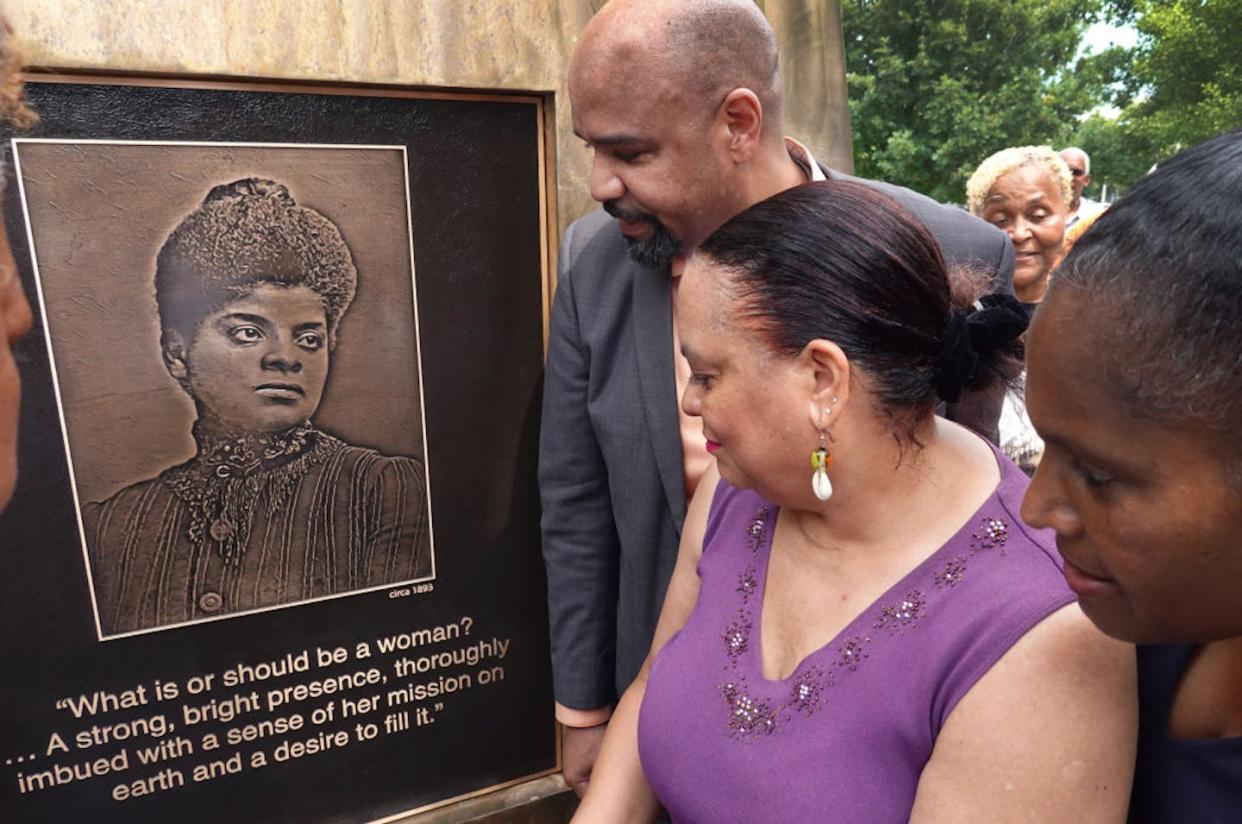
x=274, y=553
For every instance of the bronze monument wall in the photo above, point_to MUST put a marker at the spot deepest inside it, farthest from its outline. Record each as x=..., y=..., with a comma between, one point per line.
x=519, y=45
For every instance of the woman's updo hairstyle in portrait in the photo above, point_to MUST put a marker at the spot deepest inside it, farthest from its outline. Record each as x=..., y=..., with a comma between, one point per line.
x=248, y=233
x=1162, y=272
x=839, y=261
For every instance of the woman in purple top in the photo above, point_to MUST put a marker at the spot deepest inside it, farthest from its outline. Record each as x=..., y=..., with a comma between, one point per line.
x=873, y=636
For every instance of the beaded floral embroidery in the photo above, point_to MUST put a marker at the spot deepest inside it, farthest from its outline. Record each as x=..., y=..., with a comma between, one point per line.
x=992, y=535
x=737, y=636
x=903, y=614
x=747, y=717
x=808, y=690
x=752, y=716
x=852, y=651
x=952, y=573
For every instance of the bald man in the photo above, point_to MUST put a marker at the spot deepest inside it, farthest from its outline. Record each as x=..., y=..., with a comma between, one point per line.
x=680, y=102
x=1080, y=208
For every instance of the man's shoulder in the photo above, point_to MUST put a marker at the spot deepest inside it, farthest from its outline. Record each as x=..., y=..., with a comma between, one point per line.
x=961, y=235
x=595, y=271
x=912, y=200
x=596, y=240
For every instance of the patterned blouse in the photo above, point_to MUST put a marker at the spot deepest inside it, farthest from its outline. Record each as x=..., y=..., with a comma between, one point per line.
x=256, y=521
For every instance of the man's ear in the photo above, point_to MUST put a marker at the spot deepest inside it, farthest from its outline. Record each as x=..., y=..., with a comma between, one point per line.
x=742, y=114
x=828, y=379
x=176, y=355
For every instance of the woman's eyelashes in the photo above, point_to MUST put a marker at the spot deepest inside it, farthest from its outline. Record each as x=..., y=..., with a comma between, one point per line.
x=309, y=340
x=246, y=334
x=249, y=334
x=1092, y=476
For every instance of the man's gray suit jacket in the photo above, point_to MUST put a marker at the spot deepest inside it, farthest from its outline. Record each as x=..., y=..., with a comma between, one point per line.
x=611, y=478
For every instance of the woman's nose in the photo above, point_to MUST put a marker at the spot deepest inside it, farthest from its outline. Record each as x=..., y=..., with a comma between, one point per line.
x=284, y=356
x=1045, y=505
x=692, y=400
x=1019, y=231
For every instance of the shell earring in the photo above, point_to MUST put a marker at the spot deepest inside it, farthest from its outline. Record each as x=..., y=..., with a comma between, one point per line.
x=821, y=459
x=821, y=485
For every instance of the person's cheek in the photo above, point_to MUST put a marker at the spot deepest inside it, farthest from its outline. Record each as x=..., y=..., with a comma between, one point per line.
x=317, y=378
x=10, y=402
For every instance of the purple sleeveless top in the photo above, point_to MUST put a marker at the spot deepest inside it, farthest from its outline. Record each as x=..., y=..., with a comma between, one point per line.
x=846, y=736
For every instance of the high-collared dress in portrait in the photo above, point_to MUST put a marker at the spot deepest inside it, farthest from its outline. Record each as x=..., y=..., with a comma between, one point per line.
x=256, y=521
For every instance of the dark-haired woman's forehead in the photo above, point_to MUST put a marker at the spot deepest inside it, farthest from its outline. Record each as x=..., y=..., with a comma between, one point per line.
x=1070, y=386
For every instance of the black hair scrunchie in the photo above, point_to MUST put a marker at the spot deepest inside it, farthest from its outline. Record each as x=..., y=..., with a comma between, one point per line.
x=994, y=321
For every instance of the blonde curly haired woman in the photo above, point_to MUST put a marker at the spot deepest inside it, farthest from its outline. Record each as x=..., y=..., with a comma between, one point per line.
x=1025, y=191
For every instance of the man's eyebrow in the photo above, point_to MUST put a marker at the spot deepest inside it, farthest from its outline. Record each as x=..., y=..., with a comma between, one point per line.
x=611, y=140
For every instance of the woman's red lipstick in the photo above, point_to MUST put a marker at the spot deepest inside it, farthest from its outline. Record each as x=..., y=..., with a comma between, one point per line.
x=712, y=446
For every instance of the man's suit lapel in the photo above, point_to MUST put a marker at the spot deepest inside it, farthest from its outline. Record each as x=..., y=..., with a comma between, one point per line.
x=653, y=346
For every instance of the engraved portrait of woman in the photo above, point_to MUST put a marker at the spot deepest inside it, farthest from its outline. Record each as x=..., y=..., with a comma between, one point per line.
x=250, y=289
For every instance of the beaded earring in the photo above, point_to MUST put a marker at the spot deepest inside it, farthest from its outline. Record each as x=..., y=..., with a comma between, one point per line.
x=821, y=459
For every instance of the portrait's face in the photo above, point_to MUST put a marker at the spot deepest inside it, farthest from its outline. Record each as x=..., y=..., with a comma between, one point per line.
x=753, y=420
x=1146, y=514
x=656, y=167
x=259, y=363
x=1026, y=204
x=15, y=320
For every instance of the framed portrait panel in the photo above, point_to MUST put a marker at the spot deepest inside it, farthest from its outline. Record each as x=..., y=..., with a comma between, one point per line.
x=304, y=475
x=274, y=554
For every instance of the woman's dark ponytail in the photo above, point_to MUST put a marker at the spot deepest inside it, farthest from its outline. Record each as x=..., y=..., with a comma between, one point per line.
x=983, y=339
x=840, y=261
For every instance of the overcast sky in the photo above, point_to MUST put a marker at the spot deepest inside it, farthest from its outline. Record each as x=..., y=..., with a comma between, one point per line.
x=1102, y=35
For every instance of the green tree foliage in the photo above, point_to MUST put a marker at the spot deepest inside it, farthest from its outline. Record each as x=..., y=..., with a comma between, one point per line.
x=1187, y=72
x=1180, y=85
x=935, y=86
